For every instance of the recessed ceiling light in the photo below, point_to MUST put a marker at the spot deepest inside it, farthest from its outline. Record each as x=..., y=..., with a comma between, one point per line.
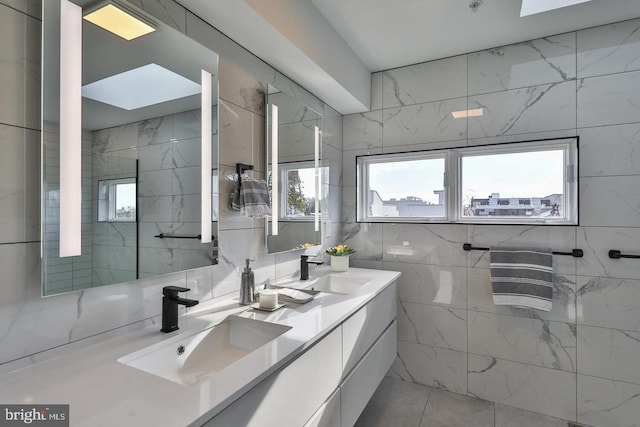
x=531, y=7
x=119, y=21
x=476, y=112
x=141, y=87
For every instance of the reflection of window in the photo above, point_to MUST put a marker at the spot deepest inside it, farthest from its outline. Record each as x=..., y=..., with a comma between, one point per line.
x=298, y=190
x=528, y=182
x=117, y=200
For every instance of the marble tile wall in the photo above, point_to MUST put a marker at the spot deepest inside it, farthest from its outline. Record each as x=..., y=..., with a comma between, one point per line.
x=579, y=361
x=34, y=328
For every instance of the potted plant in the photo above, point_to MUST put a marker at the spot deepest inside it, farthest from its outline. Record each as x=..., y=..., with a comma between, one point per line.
x=340, y=257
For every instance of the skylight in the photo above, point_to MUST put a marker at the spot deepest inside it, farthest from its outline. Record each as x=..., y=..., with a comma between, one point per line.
x=531, y=7
x=140, y=87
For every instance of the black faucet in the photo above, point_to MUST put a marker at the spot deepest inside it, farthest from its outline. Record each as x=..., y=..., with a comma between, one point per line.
x=170, y=301
x=304, y=266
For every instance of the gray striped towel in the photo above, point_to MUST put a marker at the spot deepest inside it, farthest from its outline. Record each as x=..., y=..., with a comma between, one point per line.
x=522, y=276
x=254, y=198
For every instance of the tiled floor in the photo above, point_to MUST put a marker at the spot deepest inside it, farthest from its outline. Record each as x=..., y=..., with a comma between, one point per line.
x=403, y=404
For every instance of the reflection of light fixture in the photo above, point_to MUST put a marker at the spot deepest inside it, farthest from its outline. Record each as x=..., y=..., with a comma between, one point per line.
x=316, y=158
x=70, y=129
x=205, y=157
x=477, y=112
x=531, y=7
x=274, y=170
x=120, y=20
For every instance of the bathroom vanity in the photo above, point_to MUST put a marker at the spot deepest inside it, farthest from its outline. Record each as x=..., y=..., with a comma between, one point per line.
x=314, y=364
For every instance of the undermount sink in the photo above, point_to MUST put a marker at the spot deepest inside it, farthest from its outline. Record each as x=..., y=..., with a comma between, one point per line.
x=337, y=284
x=187, y=358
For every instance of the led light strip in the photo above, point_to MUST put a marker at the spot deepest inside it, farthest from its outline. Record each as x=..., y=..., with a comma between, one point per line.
x=275, y=181
x=70, y=129
x=316, y=158
x=205, y=162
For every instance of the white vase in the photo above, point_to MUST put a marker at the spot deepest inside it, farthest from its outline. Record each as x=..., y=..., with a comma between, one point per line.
x=339, y=263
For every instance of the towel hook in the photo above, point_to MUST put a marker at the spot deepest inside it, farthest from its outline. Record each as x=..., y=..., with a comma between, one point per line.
x=240, y=168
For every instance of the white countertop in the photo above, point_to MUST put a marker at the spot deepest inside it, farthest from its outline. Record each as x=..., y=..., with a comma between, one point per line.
x=104, y=392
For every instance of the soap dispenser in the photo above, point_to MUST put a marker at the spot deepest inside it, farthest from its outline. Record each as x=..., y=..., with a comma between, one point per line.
x=247, y=285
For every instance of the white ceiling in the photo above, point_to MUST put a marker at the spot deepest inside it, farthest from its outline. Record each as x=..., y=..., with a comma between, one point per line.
x=364, y=36
x=387, y=34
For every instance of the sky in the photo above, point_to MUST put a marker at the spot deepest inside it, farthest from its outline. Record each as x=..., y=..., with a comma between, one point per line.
x=536, y=174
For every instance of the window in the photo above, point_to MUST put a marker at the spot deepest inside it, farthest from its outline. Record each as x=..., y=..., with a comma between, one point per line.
x=517, y=183
x=298, y=187
x=117, y=200
x=405, y=186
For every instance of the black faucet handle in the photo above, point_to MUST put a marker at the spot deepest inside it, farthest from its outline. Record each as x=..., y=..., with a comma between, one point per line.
x=172, y=291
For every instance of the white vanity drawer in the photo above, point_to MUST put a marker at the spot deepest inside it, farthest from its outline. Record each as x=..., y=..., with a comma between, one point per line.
x=329, y=413
x=359, y=386
x=292, y=395
x=362, y=329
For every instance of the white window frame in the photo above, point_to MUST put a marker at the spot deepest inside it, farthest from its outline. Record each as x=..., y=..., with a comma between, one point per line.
x=111, y=200
x=453, y=182
x=362, y=167
x=284, y=184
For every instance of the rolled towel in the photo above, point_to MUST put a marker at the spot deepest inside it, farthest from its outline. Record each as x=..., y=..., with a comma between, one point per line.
x=522, y=276
x=254, y=198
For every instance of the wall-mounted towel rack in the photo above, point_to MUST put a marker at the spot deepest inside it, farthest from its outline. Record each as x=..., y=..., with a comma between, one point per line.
x=576, y=253
x=240, y=168
x=615, y=254
x=180, y=236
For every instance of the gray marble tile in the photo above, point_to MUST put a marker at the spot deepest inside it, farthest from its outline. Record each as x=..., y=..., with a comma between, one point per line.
x=349, y=164
x=186, y=153
x=609, y=353
x=19, y=187
x=120, y=138
x=564, y=298
x=432, y=325
x=186, y=208
x=332, y=128
x=362, y=131
x=236, y=136
x=608, y=403
x=437, y=244
x=609, y=100
x=155, y=157
x=531, y=341
x=432, y=366
x=186, y=180
x=376, y=90
x=532, y=109
x=155, y=131
x=331, y=159
x=609, y=49
x=20, y=100
x=425, y=147
x=533, y=388
x=446, y=409
x=241, y=86
x=523, y=137
x=422, y=123
x=155, y=209
x=365, y=238
x=395, y=403
x=155, y=183
x=426, y=82
x=609, y=303
x=349, y=204
x=187, y=125
x=609, y=150
x=431, y=284
x=610, y=201
x=296, y=141
x=559, y=238
x=532, y=63
x=596, y=243
x=506, y=416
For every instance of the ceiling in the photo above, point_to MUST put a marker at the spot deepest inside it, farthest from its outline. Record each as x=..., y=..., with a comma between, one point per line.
x=388, y=34
x=364, y=36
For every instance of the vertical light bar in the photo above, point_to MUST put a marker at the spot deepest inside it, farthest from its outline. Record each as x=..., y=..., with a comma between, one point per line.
x=70, y=129
x=316, y=158
x=275, y=173
x=205, y=157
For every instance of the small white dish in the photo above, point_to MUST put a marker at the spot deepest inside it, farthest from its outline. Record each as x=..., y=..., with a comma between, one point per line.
x=256, y=306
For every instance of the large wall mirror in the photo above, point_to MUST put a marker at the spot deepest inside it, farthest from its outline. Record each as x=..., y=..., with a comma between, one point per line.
x=146, y=180
x=294, y=136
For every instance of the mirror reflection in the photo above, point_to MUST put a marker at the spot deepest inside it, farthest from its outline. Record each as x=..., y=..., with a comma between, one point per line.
x=141, y=145
x=293, y=165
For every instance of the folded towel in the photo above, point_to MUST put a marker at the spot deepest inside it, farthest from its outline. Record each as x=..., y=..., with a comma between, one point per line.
x=522, y=276
x=254, y=198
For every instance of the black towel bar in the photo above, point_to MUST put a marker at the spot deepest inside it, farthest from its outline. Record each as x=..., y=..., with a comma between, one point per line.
x=615, y=254
x=240, y=168
x=576, y=253
x=180, y=236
